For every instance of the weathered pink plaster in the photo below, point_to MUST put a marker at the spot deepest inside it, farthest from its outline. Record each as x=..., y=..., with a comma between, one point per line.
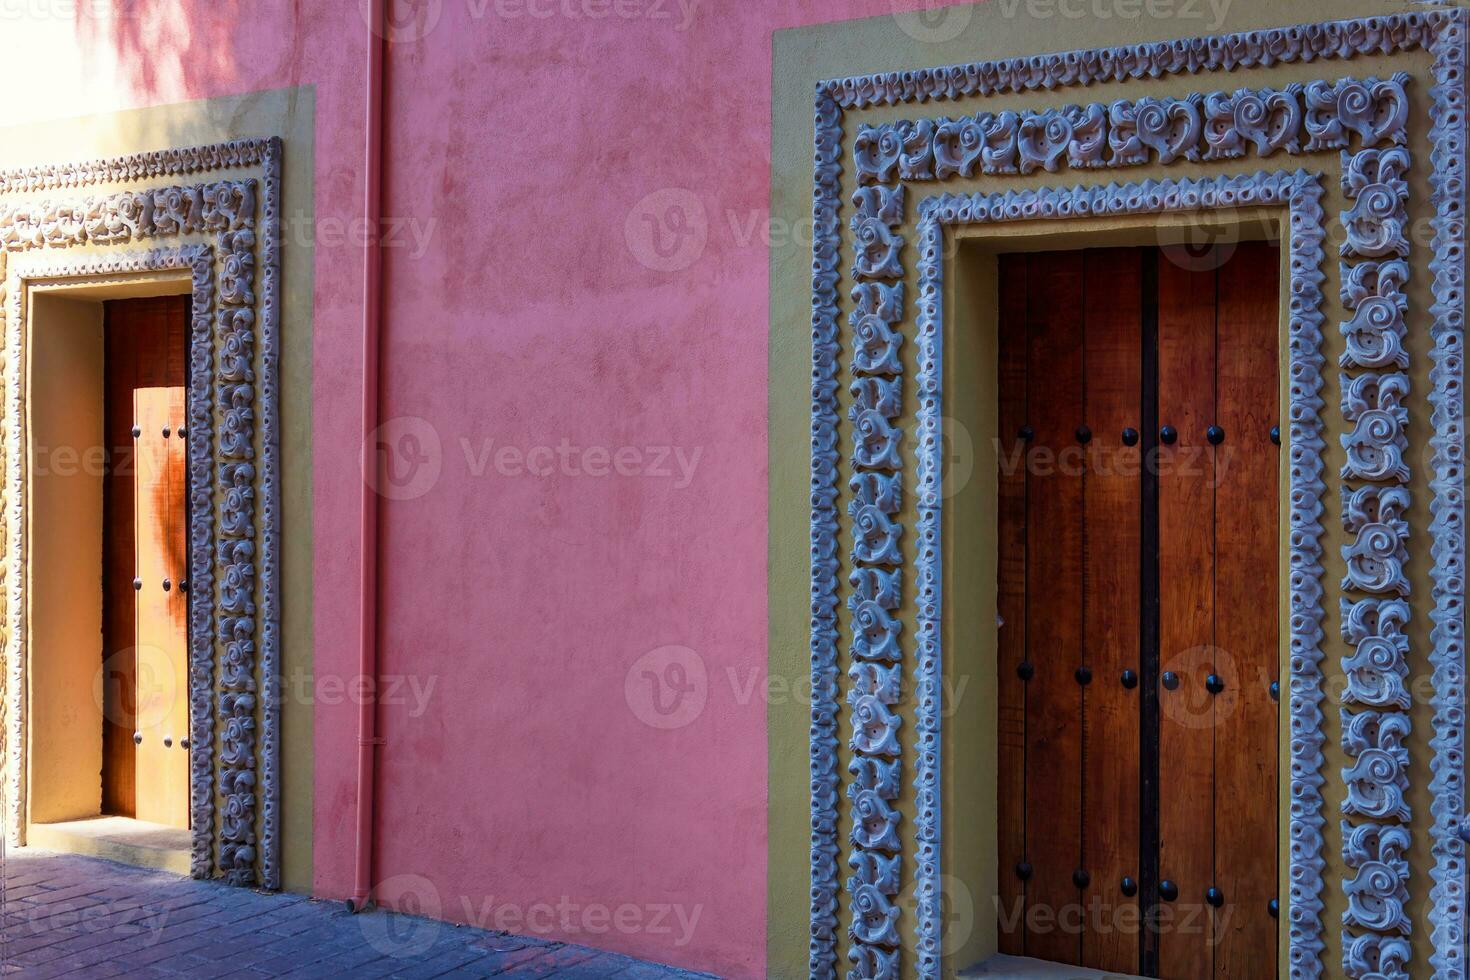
x=522, y=135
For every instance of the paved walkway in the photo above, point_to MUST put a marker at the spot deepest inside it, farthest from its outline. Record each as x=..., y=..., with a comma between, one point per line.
x=85, y=917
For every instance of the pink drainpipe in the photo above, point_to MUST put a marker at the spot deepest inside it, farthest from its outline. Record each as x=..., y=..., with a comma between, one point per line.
x=371, y=324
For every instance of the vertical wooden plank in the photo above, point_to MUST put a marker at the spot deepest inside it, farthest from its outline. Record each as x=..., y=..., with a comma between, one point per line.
x=1054, y=607
x=1246, y=630
x=176, y=791
x=154, y=668
x=1186, y=318
x=1110, y=821
x=1011, y=601
x=118, y=657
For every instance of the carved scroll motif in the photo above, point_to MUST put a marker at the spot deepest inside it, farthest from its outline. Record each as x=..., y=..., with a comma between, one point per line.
x=1127, y=133
x=876, y=669
x=1375, y=403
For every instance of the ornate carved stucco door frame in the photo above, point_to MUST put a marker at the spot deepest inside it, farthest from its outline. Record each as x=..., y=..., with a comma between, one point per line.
x=213, y=213
x=1367, y=120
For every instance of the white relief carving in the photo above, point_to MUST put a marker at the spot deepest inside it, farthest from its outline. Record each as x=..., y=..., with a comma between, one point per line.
x=1375, y=334
x=1378, y=778
x=1211, y=126
x=1376, y=559
x=1377, y=893
x=233, y=357
x=1376, y=224
x=1378, y=667
x=1372, y=957
x=1374, y=404
x=877, y=494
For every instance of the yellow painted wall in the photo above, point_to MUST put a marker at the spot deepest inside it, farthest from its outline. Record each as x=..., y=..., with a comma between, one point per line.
x=988, y=31
x=64, y=564
x=290, y=114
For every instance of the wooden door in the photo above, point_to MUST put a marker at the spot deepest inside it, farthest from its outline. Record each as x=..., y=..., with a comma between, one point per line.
x=1219, y=649
x=145, y=623
x=1138, y=639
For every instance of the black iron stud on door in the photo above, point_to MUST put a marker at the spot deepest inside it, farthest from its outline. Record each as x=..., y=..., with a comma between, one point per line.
x=1215, y=435
x=1168, y=435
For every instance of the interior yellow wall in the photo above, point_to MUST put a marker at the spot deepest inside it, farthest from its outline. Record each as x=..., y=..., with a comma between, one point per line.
x=971, y=487
x=64, y=564
x=290, y=114
x=801, y=58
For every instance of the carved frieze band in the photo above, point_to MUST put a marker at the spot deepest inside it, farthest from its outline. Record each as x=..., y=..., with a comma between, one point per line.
x=1448, y=133
x=235, y=545
x=202, y=603
x=929, y=670
x=875, y=671
x=1124, y=133
x=269, y=527
x=1375, y=501
x=123, y=218
x=177, y=162
x=826, y=347
x=233, y=461
x=1341, y=39
x=1362, y=114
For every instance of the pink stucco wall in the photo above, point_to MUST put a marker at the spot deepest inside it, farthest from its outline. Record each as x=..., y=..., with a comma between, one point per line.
x=526, y=307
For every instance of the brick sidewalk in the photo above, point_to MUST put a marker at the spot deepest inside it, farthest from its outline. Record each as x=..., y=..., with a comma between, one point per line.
x=76, y=916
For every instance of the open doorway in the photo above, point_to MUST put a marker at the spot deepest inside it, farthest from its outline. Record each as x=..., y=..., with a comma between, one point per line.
x=109, y=678
x=145, y=758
